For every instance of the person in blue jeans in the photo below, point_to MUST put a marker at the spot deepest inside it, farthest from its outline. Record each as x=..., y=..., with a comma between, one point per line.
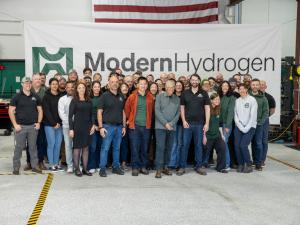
x=262, y=116
x=178, y=140
x=52, y=124
x=245, y=118
x=94, y=148
x=124, y=149
x=138, y=109
x=112, y=125
x=195, y=114
x=227, y=114
x=272, y=106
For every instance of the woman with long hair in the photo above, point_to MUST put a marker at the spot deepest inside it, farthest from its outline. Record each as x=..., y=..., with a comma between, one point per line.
x=52, y=124
x=81, y=127
x=178, y=140
x=95, y=146
x=214, y=138
x=226, y=116
x=124, y=155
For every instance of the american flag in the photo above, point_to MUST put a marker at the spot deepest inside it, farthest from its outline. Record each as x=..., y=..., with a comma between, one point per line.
x=155, y=11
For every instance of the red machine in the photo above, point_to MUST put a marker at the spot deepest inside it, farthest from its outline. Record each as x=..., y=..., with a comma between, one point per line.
x=4, y=118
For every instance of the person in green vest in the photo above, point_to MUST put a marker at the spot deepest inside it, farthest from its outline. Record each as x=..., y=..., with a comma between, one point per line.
x=214, y=138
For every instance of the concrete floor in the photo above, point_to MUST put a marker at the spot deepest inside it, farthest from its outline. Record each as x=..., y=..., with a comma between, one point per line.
x=261, y=198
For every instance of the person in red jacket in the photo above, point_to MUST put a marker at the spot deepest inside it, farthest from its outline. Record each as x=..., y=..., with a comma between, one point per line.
x=138, y=110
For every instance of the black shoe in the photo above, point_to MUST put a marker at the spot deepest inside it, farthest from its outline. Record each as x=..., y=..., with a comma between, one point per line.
x=223, y=171
x=78, y=173
x=240, y=168
x=85, y=172
x=118, y=171
x=144, y=171
x=135, y=172
x=258, y=168
x=102, y=173
x=16, y=172
x=248, y=169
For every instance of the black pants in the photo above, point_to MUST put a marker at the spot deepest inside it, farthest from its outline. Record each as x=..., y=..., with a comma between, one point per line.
x=219, y=145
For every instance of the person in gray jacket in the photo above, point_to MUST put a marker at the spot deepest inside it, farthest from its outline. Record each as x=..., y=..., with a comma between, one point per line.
x=167, y=111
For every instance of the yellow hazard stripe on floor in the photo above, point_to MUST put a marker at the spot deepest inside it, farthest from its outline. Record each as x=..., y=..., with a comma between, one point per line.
x=285, y=163
x=41, y=201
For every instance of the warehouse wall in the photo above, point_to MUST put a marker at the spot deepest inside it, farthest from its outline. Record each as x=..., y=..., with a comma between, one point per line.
x=16, y=11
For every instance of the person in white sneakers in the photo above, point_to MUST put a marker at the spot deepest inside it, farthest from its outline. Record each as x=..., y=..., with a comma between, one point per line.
x=63, y=110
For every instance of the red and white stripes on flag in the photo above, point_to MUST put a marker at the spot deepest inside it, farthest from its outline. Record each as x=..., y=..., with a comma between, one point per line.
x=155, y=11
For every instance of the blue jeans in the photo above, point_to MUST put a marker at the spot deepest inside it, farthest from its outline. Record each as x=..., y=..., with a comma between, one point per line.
x=124, y=147
x=241, y=143
x=164, y=144
x=94, y=151
x=257, y=145
x=195, y=131
x=114, y=137
x=226, y=135
x=139, y=143
x=177, y=147
x=54, y=138
x=265, y=136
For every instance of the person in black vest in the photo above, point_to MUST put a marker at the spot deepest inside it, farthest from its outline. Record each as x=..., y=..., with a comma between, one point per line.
x=25, y=112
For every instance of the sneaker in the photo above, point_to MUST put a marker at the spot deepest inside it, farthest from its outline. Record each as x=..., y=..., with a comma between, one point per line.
x=92, y=170
x=227, y=169
x=240, y=168
x=124, y=168
x=16, y=172
x=27, y=167
x=53, y=169
x=135, y=172
x=37, y=170
x=263, y=164
x=118, y=171
x=144, y=171
x=201, y=171
x=98, y=170
x=59, y=168
x=223, y=171
x=180, y=172
x=158, y=174
x=102, y=173
x=167, y=171
x=70, y=170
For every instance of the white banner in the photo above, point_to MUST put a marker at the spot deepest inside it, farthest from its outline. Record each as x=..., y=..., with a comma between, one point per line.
x=156, y=48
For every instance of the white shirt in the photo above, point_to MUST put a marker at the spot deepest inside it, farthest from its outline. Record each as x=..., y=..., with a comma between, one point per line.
x=63, y=109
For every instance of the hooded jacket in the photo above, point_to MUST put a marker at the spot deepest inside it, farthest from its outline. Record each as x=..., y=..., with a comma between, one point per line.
x=262, y=107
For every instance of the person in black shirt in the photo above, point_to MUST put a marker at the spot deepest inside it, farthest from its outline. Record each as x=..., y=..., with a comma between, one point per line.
x=195, y=114
x=112, y=125
x=25, y=112
x=81, y=127
x=272, y=106
x=52, y=123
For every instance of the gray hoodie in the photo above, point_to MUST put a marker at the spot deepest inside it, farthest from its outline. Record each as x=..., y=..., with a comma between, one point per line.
x=245, y=113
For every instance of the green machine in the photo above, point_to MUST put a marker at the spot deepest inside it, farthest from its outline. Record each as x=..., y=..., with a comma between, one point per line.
x=11, y=73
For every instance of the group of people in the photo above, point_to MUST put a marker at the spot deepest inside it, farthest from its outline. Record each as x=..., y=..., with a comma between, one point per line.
x=141, y=122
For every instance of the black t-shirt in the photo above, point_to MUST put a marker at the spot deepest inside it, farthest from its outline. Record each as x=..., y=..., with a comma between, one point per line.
x=271, y=101
x=26, y=108
x=194, y=105
x=112, y=106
